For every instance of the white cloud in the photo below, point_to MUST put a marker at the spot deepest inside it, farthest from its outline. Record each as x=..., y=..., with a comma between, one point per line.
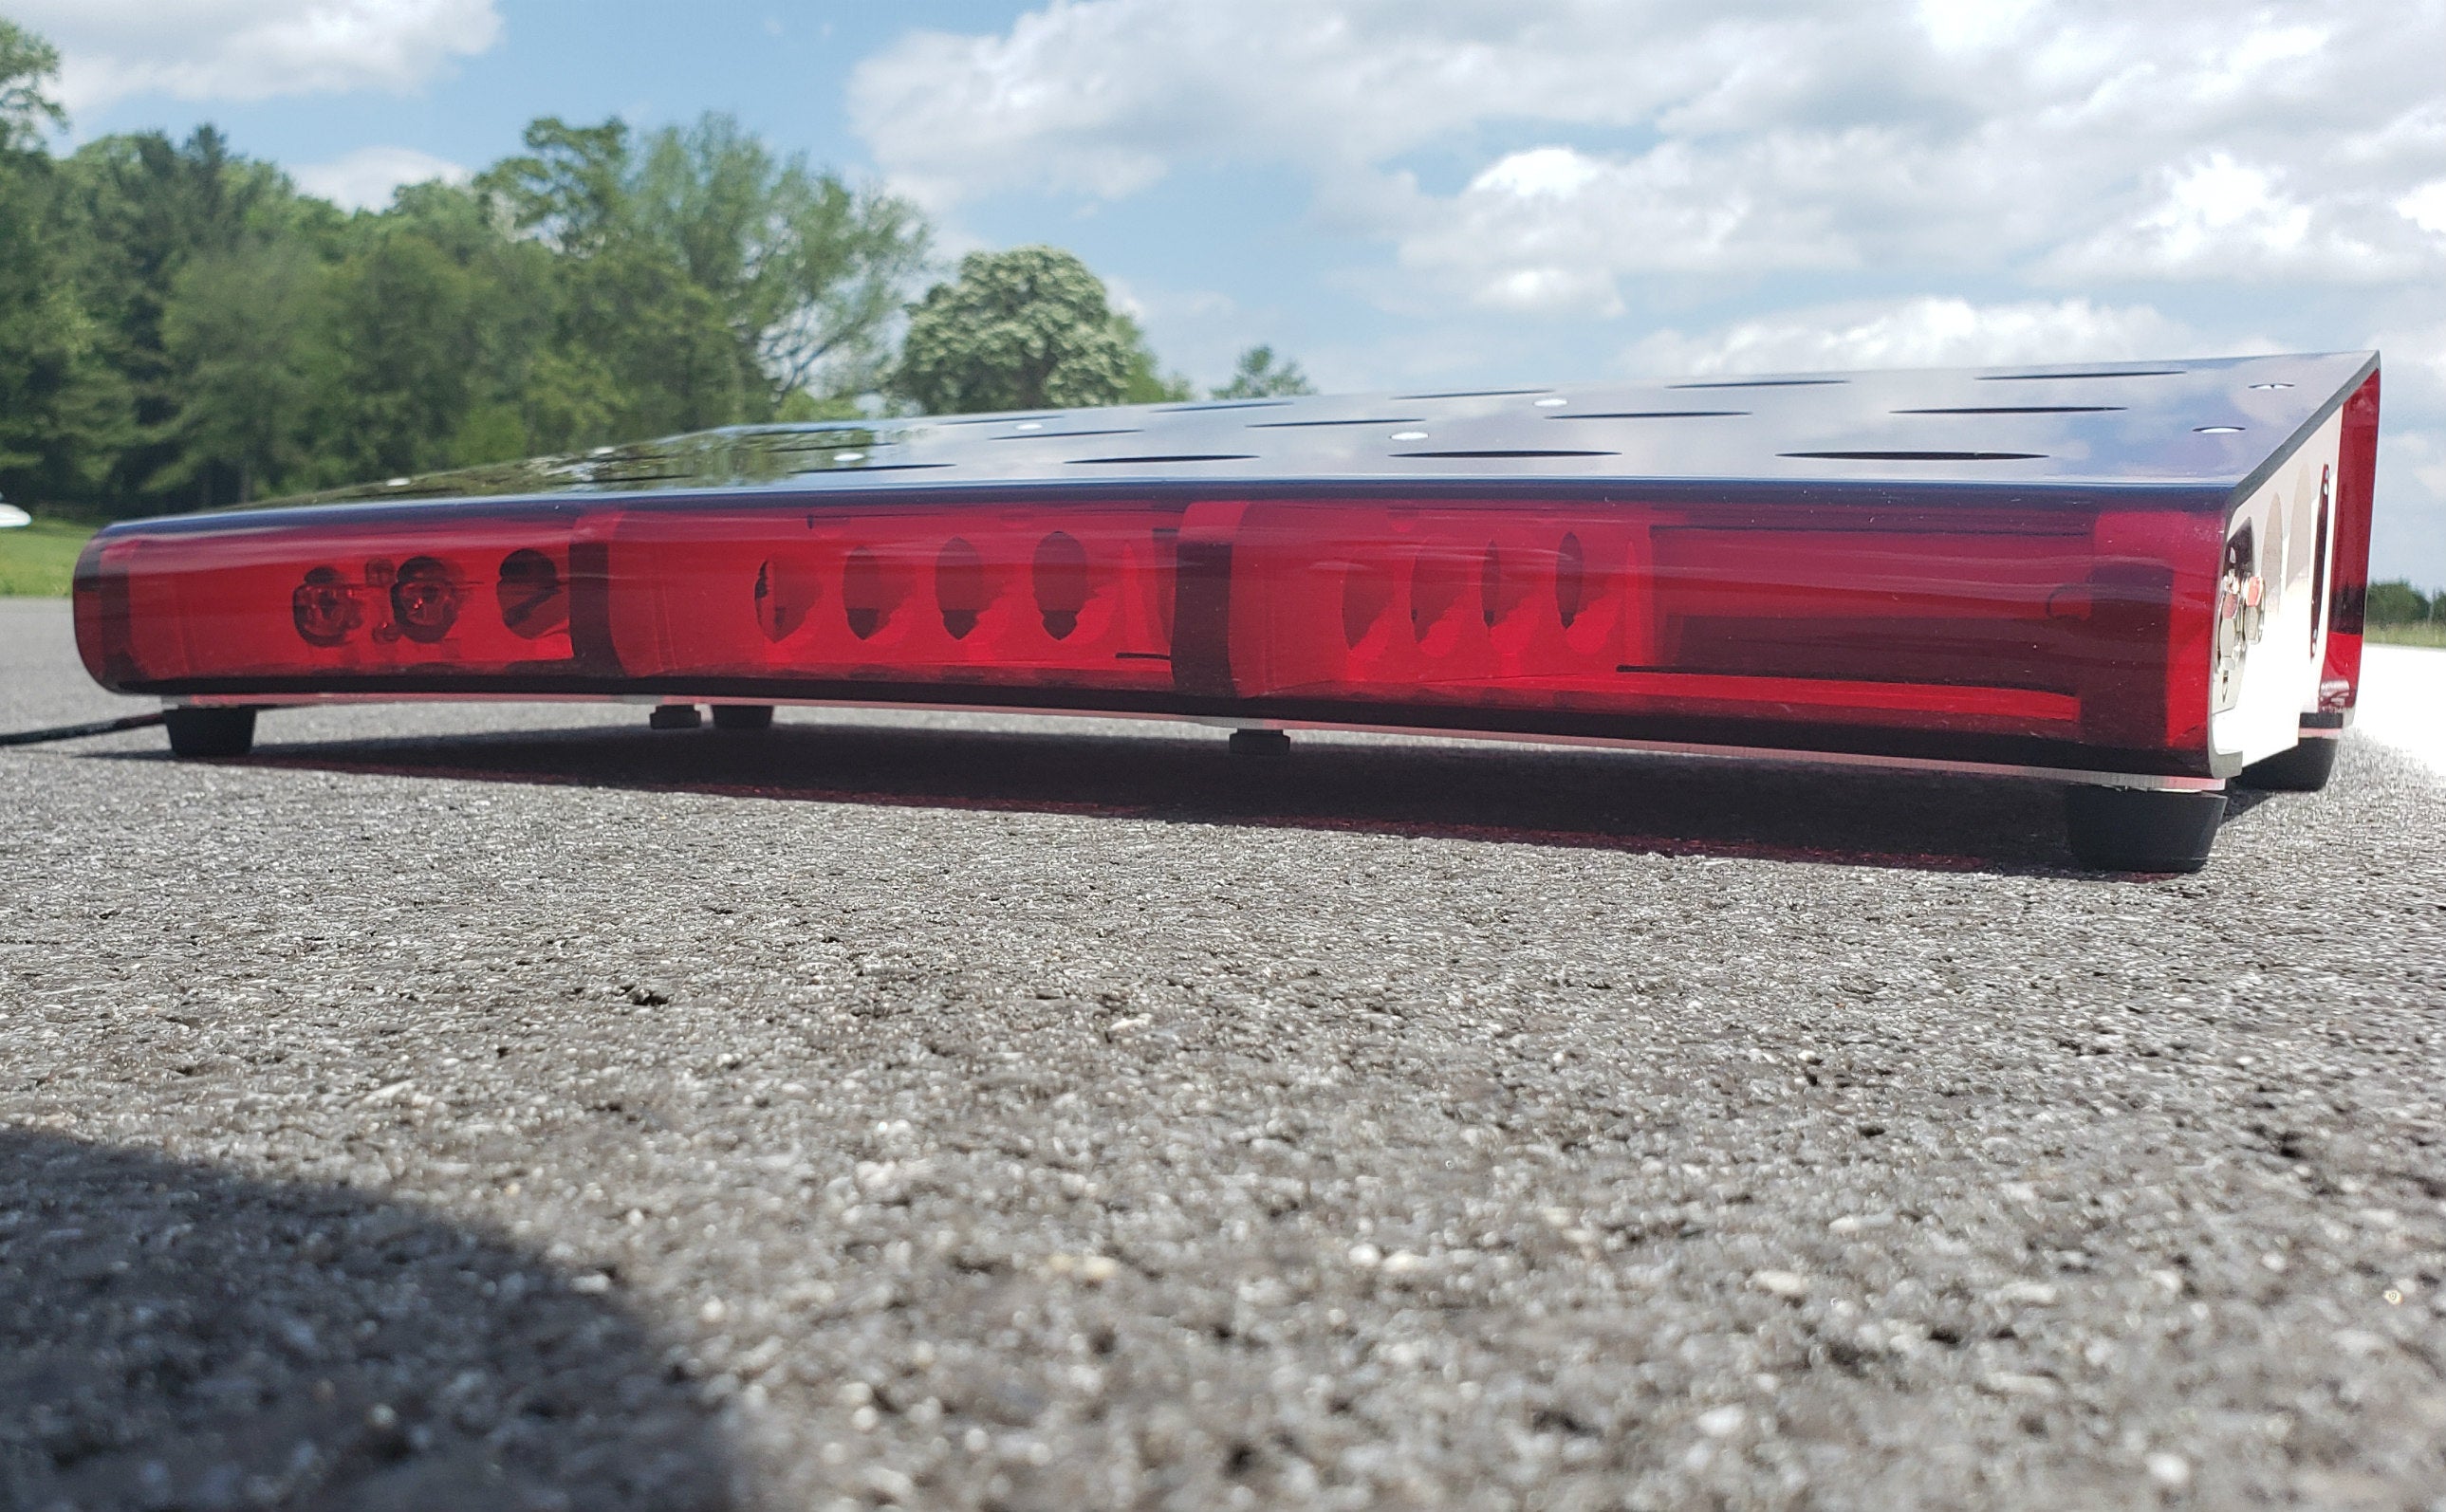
x=2218, y=217
x=2426, y=207
x=253, y=49
x=1928, y=331
x=2427, y=460
x=2104, y=179
x=2408, y=534
x=1551, y=229
x=367, y=178
x=1105, y=97
x=1974, y=26
x=2075, y=141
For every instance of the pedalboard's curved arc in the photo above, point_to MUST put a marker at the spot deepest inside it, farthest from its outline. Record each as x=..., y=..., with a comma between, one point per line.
x=2147, y=574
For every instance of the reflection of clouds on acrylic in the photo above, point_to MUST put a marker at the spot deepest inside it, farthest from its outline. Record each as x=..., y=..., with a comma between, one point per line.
x=1928, y=331
x=1949, y=182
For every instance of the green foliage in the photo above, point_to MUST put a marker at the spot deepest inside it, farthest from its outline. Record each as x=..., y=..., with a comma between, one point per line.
x=52, y=379
x=439, y=322
x=572, y=186
x=1257, y=377
x=808, y=271
x=135, y=213
x=52, y=391
x=238, y=331
x=783, y=280
x=2397, y=603
x=181, y=327
x=1027, y=328
x=27, y=63
x=40, y=559
x=1146, y=382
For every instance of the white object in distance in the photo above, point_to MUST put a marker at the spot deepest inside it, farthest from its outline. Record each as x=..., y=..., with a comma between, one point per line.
x=2402, y=701
x=12, y=518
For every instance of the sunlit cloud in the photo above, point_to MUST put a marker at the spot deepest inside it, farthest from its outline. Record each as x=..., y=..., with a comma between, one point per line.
x=367, y=178
x=254, y=49
x=1926, y=332
x=1895, y=183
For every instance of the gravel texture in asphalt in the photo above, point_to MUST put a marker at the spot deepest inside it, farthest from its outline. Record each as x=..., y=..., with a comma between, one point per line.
x=510, y=1107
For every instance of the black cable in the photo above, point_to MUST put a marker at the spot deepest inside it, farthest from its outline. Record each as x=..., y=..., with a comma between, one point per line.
x=78, y=732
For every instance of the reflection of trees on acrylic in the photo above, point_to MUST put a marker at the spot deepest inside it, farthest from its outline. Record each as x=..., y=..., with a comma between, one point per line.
x=1259, y=375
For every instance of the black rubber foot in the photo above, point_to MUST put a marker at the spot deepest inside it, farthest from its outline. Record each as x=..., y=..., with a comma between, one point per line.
x=210, y=732
x=1260, y=743
x=743, y=716
x=675, y=717
x=2303, y=769
x=2141, y=829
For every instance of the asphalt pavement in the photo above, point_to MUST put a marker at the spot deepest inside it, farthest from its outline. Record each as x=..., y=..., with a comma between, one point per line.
x=508, y=1106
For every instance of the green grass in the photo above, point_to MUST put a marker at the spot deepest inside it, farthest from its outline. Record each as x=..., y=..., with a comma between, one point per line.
x=38, y=560
x=2432, y=633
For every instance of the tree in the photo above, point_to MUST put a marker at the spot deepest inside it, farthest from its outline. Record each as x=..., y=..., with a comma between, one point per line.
x=406, y=343
x=28, y=65
x=804, y=271
x=1027, y=328
x=241, y=329
x=2395, y=603
x=1257, y=377
x=55, y=392
x=1146, y=381
x=136, y=211
x=179, y=325
x=572, y=188
x=808, y=271
x=641, y=349
x=506, y=315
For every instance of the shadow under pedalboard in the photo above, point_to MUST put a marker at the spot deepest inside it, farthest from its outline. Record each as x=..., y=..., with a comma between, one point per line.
x=2142, y=580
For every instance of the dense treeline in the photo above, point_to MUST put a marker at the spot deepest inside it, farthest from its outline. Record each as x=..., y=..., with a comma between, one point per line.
x=2399, y=603
x=179, y=327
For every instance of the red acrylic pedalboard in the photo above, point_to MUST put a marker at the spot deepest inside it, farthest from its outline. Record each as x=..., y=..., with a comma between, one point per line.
x=2140, y=579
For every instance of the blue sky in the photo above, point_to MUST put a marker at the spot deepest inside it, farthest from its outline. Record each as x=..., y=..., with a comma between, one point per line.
x=1408, y=191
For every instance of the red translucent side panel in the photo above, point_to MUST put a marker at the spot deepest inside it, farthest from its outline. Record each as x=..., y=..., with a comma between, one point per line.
x=487, y=597
x=2057, y=624
x=1440, y=603
x=2075, y=626
x=2356, y=486
x=1076, y=597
